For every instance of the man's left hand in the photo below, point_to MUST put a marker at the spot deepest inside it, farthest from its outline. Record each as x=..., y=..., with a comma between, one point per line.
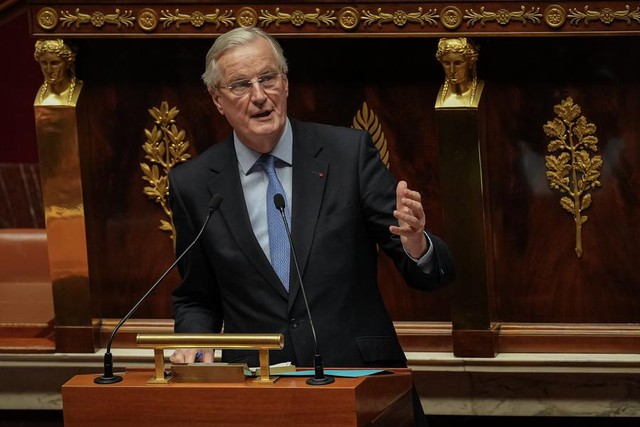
x=411, y=221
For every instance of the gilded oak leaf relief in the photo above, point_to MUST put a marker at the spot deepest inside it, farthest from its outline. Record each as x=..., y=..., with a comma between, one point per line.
x=571, y=167
x=164, y=148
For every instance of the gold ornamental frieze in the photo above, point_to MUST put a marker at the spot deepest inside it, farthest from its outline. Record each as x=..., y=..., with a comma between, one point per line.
x=165, y=147
x=503, y=16
x=605, y=15
x=570, y=168
x=419, y=18
x=297, y=18
x=97, y=19
x=197, y=19
x=400, y=18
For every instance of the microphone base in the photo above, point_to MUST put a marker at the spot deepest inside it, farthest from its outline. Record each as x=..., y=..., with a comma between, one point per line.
x=319, y=378
x=108, y=380
x=320, y=381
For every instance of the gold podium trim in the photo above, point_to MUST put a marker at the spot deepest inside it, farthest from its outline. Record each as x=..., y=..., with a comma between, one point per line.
x=262, y=342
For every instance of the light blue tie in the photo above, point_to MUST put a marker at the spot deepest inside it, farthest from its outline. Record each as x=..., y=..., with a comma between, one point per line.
x=278, y=240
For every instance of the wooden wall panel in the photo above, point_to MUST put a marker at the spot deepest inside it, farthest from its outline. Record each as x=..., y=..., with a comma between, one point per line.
x=330, y=80
x=538, y=277
x=128, y=251
x=21, y=77
x=534, y=274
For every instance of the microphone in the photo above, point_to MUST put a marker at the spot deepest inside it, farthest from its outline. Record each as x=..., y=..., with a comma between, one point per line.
x=319, y=378
x=108, y=377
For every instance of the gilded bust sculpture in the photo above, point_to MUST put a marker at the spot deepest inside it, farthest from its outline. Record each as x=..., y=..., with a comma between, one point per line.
x=57, y=62
x=461, y=88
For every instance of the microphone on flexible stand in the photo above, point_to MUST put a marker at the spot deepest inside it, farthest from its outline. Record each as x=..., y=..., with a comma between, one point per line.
x=319, y=378
x=108, y=377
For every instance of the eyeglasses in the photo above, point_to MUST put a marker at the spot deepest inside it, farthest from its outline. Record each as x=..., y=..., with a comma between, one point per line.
x=266, y=81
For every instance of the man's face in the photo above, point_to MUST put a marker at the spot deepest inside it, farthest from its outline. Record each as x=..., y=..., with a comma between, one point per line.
x=259, y=116
x=456, y=67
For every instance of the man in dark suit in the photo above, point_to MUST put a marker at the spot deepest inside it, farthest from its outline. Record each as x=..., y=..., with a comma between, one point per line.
x=343, y=205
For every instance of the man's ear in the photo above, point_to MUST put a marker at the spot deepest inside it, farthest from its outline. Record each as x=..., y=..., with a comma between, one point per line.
x=286, y=85
x=215, y=96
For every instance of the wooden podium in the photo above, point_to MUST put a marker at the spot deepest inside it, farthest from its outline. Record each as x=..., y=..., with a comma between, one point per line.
x=378, y=400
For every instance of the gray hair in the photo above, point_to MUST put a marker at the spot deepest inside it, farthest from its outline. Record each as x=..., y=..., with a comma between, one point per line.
x=237, y=37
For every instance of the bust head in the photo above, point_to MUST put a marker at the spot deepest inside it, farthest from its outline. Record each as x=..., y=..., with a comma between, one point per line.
x=458, y=57
x=461, y=87
x=56, y=61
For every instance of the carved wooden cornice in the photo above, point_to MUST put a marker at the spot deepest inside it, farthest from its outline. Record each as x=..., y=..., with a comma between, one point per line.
x=331, y=19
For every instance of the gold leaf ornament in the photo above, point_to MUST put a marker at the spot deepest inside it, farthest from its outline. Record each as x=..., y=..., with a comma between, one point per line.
x=572, y=170
x=366, y=119
x=165, y=147
x=298, y=18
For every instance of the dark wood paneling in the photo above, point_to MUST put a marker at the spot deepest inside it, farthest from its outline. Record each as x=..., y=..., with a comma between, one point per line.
x=20, y=80
x=131, y=76
x=127, y=250
x=569, y=338
x=535, y=275
x=538, y=277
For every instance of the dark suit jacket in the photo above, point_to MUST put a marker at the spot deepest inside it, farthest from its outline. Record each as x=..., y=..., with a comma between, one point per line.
x=343, y=199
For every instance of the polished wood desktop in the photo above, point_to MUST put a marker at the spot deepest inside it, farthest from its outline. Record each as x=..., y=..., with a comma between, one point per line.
x=379, y=400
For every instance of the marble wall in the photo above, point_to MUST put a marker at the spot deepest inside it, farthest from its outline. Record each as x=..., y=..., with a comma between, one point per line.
x=20, y=196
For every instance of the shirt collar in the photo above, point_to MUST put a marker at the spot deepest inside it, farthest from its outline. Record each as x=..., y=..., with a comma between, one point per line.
x=248, y=157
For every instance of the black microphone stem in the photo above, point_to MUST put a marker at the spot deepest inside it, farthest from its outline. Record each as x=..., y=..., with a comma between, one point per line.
x=319, y=378
x=304, y=294
x=109, y=377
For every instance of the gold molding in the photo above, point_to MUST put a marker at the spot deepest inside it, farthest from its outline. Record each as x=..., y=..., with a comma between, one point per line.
x=502, y=16
x=555, y=16
x=247, y=17
x=166, y=147
x=400, y=18
x=348, y=18
x=441, y=17
x=573, y=171
x=47, y=18
x=148, y=19
x=197, y=19
x=297, y=18
x=97, y=18
x=605, y=15
x=451, y=18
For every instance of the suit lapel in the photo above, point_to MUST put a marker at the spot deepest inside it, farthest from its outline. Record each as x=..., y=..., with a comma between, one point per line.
x=226, y=182
x=309, y=177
